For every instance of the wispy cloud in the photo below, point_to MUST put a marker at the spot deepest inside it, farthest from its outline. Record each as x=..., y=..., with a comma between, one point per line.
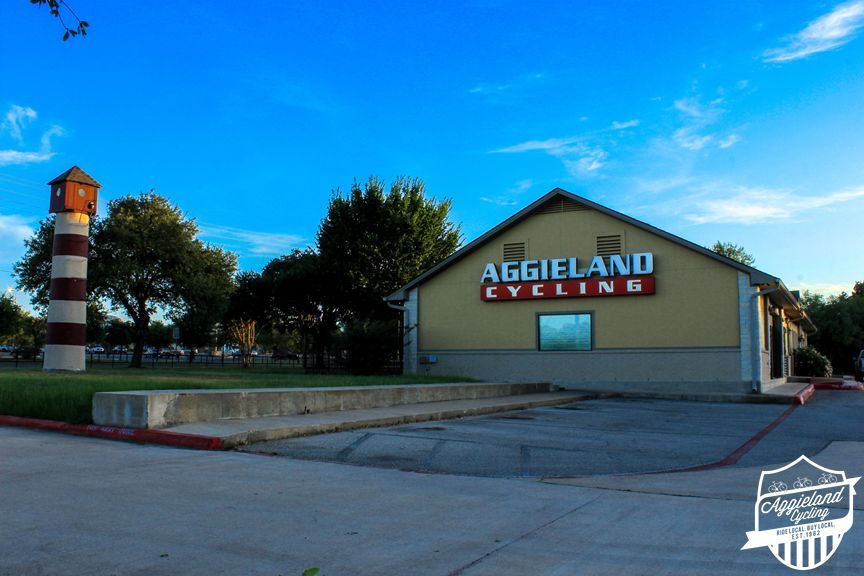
x=827, y=32
x=492, y=88
x=252, y=241
x=745, y=205
x=616, y=125
x=577, y=156
x=656, y=185
x=729, y=141
x=697, y=119
x=15, y=121
x=489, y=88
x=510, y=197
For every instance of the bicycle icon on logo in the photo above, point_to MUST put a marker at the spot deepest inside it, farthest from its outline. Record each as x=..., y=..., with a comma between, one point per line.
x=802, y=483
x=777, y=486
x=827, y=478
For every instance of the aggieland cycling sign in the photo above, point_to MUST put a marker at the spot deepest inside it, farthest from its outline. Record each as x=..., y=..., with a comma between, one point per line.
x=802, y=512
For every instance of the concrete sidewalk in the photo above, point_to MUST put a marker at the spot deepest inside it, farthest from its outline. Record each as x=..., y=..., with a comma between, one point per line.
x=79, y=506
x=243, y=431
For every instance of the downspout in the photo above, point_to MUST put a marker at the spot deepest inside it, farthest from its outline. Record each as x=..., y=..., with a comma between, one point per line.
x=755, y=338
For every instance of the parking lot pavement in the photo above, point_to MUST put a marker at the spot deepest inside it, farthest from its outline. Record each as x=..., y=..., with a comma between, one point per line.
x=611, y=436
x=76, y=506
x=71, y=505
x=829, y=415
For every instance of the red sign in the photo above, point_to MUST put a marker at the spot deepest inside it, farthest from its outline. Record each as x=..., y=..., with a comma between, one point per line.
x=617, y=286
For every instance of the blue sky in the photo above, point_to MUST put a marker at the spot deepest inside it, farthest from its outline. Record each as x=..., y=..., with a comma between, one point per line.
x=741, y=122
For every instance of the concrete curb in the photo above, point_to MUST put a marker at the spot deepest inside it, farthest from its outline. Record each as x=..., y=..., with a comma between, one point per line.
x=254, y=436
x=833, y=386
x=142, y=435
x=805, y=394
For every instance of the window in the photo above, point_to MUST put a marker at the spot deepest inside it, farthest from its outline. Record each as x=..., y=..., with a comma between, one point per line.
x=564, y=331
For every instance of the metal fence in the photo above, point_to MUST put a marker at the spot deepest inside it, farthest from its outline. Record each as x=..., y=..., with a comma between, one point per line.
x=108, y=359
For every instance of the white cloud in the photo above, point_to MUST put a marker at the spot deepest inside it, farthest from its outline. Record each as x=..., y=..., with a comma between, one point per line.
x=551, y=145
x=827, y=32
x=689, y=139
x=729, y=141
x=579, y=158
x=696, y=119
x=254, y=242
x=489, y=88
x=743, y=205
x=509, y=199
x=622, y=125
x=499, y=200
x=14, y=230
x=16, y=118
x=11, y=157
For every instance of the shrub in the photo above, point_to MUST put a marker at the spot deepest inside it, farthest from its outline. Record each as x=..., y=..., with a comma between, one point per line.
x=370, y=345
x=810, y=362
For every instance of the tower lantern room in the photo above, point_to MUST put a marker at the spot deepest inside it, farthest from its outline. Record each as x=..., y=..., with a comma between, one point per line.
x=74, y=191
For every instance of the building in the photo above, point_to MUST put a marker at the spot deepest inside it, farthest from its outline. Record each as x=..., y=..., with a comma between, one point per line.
x=571, y=292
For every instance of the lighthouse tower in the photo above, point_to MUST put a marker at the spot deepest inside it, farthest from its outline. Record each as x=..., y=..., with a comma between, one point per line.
x=73, y=200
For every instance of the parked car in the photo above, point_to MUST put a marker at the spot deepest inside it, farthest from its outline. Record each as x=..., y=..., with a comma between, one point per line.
x=95, y=349
x=859, y=366
x=285, y=355
x=119, y=350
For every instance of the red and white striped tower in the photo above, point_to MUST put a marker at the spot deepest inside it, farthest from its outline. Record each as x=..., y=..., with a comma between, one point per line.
x=73, y=199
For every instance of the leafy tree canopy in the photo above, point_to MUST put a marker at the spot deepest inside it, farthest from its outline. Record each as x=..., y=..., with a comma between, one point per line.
x=840, y=323
x=373, y=241
x=734, y=252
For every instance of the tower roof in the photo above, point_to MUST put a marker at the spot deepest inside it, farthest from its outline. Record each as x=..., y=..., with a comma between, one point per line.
x=75, y=174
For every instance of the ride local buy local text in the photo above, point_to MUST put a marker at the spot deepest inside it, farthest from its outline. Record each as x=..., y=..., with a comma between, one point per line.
x=626, y=274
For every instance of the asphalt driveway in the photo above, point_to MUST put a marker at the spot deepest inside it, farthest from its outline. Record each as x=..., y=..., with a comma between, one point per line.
x=611, y=436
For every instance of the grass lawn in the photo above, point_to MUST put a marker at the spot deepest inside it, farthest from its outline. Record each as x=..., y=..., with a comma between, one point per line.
x=68, y=397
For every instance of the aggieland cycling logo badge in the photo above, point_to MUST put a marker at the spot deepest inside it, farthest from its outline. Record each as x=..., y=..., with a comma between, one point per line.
x=802, y=512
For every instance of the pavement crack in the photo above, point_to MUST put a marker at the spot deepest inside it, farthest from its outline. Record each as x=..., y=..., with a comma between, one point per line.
x=345, y=452
x=461, y=570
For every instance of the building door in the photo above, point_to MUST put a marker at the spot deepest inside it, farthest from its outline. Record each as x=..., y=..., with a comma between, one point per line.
x=776, y=347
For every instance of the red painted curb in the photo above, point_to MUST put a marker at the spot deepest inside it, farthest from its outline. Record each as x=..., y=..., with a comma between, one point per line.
x=829, y=386
x=805, y=394
x=140, y=435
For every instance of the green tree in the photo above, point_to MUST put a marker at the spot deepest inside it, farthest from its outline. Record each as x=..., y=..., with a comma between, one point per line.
x=144, y=256
x=12, y=318
x=97, y=317
x=371, y=242
x=118, y=332
x=204, y=298
x=734, y=252
x=302, y=300
x=158, y=334
x=840, y=323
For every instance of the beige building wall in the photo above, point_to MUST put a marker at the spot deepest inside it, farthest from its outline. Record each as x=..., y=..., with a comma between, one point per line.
x=695, y=304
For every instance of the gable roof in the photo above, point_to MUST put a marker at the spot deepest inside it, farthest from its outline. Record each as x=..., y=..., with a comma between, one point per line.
x=75, y=174
x=757, y=277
